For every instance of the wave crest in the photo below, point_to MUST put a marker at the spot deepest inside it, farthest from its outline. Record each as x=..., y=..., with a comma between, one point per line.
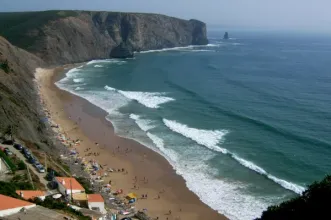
x=211, y=139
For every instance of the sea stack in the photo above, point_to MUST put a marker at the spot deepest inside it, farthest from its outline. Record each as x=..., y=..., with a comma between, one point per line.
x=226, y=36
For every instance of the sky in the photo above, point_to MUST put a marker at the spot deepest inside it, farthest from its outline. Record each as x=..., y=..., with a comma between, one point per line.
x=270, y=14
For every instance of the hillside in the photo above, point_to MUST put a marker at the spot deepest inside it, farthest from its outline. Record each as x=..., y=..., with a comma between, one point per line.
x=60, y=37
x=18, y=98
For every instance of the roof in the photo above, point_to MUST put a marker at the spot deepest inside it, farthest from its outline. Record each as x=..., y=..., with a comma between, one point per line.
x=30, y=194
x=95, y=198
x=70, y=183
x=79, y=196
x=7, y=202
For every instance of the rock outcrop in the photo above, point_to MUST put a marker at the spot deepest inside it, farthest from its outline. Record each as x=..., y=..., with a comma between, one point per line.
x=75, y=36
x=226, y=36
x=121, y=51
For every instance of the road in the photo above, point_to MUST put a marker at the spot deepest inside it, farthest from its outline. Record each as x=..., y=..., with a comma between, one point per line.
x=41, y=176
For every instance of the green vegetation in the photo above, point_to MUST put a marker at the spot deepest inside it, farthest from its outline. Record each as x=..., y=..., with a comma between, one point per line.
x=314, y=203
x=21, y=165
x=9, y=188
x=54, y=204
x=5, y=66
x=85, y=183
x=24, y=28
x=8, y=161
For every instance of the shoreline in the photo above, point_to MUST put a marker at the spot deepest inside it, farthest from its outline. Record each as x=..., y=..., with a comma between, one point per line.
x=154, y=175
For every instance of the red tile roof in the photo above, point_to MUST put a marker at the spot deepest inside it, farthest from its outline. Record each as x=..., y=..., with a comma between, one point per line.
x=70, y=183
x=94, y=198
x=7, y=202
x=30, y=194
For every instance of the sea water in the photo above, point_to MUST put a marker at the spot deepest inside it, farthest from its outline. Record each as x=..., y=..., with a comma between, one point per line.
x=245, y=121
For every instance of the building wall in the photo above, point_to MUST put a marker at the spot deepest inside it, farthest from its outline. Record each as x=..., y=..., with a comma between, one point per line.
x=14, y=210
x=63, y=191
x=99, y=205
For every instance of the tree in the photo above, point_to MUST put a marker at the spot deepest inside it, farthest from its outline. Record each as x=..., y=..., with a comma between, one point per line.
x=314, y=203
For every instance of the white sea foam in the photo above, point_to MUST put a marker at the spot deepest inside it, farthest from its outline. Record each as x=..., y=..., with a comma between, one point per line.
x=285, y=184
x=106, y=61
x=208, y=138
x=192, y=48
x=78, y=88
x=170, y=154
x=211, y=139
x=78, y=80
x=98, y=66
x=148, y=99
x=109, y=88
x=143, y=124
x=225, y=196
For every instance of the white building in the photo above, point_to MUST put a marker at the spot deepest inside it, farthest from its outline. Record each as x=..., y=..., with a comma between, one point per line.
x=96, y=202
x=9, y=205
x=66, y=185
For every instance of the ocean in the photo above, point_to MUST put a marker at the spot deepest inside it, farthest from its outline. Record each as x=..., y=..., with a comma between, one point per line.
x=245, y=121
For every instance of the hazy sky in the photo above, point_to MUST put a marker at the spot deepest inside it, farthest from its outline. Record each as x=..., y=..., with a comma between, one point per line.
x=278, y=14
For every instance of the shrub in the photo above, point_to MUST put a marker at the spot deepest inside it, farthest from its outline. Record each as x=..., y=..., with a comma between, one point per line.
x=85, y=183
x=314, y=203
x=8, y=161
x=21, y=165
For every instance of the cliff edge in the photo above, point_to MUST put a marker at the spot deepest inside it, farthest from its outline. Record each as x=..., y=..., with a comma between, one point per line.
x=61, y=37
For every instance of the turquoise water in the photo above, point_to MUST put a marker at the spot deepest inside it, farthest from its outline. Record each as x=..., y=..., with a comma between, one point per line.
x=244, y=121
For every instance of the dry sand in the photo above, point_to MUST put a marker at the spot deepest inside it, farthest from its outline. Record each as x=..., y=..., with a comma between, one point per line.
x=79, y=119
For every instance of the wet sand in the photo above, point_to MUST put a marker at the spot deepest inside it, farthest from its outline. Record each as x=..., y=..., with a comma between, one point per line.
x=146, y=172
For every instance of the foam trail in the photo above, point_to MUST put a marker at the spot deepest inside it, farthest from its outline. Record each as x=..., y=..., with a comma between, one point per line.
x=148, y=99
x=285, y=184
x=109, y=88
x=106, y=61
x=210, y=139
x=143, y=124
x=78, y=80
x=206, y=138
x=98, y=66
x=187, y=48
x=169, y=154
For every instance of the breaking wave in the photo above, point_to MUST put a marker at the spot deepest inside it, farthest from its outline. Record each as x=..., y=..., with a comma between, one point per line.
x=148, y=99
x=143, y=124
x=211, y=139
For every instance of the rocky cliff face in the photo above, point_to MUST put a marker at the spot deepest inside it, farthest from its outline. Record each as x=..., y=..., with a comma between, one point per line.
x=18, y=97
x=80, y=36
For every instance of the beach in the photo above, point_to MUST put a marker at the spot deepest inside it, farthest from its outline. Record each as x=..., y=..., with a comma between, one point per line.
x=140, y=170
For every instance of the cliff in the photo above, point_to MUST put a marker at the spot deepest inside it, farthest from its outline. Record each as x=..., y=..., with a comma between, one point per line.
x=18, y=97
x=60, y=37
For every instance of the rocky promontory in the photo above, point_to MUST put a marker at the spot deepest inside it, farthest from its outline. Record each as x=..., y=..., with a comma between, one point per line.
x=60, y=37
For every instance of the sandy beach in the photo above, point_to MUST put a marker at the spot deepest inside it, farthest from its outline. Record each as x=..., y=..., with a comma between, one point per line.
x=145, y=171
